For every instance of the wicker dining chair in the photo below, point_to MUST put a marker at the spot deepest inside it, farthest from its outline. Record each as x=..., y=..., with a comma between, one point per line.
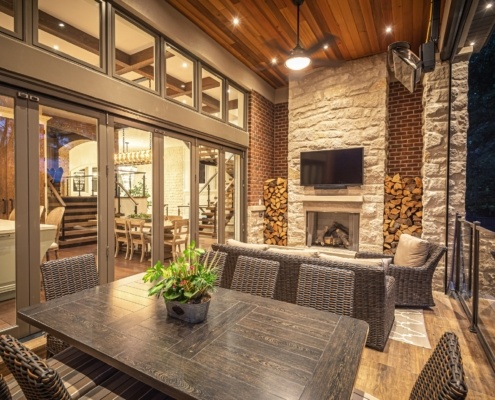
x=442, y=377
x=63, y=277
x=326, y=289
x=219, y=258
x=255, y=276
x=4, y=389
x=70, y=375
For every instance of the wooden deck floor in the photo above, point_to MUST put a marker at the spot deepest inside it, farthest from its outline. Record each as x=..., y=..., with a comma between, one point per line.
x=390, y=375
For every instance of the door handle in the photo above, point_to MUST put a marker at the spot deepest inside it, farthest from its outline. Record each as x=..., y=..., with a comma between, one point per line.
x=4, y=206
x=11, y=204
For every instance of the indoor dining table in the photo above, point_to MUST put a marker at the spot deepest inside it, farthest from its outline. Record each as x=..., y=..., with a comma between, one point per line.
x=249, y=347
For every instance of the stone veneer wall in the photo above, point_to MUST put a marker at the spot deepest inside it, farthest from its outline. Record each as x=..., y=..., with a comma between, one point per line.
x=260, y=161
x=405, y=144
x=435, y=131
x=341, y=108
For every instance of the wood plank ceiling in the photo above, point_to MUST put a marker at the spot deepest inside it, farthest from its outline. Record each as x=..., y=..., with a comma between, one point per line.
x=267, y=30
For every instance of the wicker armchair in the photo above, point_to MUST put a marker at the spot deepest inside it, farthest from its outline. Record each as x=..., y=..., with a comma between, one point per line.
x=85, y=377
x=442, y=377
x=328, y=289
x=63, y=277
x=255, y=276
x=414, y=284
x=215, y=256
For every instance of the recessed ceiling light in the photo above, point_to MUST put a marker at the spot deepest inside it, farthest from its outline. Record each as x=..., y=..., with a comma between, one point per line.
x=325, y=46
x=184, y=65
x=55, y=46
x=388, y=29
x=182, y=86
x=489, y=5
x=236, y=21
x=274, y=60
x=61, y=24
x=184, y=101
x=228, y=90
x=472, y=44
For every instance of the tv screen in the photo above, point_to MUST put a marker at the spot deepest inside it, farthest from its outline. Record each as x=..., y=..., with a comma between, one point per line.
x=342, y=167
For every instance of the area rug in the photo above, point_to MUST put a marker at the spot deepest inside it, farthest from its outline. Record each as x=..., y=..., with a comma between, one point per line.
x=409, y=327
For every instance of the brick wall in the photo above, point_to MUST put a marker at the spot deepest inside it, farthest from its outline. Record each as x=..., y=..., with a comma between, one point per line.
x=280, y=137
x=405, y=142
x=260, y=154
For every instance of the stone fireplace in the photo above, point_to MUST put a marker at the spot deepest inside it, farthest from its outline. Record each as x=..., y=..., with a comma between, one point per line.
x=332, y=230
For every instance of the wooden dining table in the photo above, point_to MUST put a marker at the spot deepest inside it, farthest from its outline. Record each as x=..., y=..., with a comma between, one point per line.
x=249, y=347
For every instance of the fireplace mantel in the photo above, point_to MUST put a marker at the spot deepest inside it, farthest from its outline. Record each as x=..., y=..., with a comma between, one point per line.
x=332, y=199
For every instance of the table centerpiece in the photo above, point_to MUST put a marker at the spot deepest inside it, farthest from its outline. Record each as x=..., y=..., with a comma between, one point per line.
x=185, y=283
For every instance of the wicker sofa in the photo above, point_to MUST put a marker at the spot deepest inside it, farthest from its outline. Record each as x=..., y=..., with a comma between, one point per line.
x=374, y=292
x=414, y=284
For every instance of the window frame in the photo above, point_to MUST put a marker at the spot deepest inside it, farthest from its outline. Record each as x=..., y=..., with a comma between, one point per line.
x=18, y=21
x=223, y=92
x=244, y=94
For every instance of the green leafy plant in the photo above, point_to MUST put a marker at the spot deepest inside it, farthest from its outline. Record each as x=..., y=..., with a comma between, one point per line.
x=137, y=190
x=186, y=279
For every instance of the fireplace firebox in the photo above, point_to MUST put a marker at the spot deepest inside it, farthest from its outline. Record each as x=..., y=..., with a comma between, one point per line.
x=332, y=229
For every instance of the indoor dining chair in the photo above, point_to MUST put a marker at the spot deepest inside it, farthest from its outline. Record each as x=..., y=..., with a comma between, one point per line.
x=255, y=276
x=138, y=237
x=121, y=232
x=326, y=289
x=70, y=375
x=63, y=277
x=54, y=217
x=179, y=237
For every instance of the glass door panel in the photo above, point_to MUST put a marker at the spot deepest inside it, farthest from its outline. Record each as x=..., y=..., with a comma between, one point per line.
x=231, y=194
x=132, y=203
x=7, y=215
x=176, y=193
x=68, y=179
x=208, y=195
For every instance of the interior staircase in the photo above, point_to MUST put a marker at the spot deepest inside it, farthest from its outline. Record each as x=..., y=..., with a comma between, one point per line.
x=79, y=222
x=208, y=217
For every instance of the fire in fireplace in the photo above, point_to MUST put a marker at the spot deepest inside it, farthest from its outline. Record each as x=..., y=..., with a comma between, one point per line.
x=333, y=229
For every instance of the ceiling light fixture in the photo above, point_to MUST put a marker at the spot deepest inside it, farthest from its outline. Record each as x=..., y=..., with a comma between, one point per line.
x=489, y=5
x=236, y=21
x=472, y=44
x=298, y=59
x=61, y=24
x=184, y=65
x=274, y=60
x=325, y=47
x=388, y=29
x=55, y=46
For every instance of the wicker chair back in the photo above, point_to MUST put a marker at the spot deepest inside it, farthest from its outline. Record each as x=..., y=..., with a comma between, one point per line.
x=37, y=380
x=255, y=276
x=67, y=276
x=327, y=289
x=442, y=377
x=4, y=389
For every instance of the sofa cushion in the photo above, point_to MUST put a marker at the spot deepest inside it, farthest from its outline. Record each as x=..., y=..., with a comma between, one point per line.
x=411, y=251
x=376, y=262
x=253, y=246
x=294, y=252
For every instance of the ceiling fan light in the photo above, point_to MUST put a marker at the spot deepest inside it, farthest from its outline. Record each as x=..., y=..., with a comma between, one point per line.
x=297, y=62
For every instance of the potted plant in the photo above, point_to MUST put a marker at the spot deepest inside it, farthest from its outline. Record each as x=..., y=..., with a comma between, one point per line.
x=185, y=283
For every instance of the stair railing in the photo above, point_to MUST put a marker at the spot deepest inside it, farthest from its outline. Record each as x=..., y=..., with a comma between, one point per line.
x=118, y=188
x=56, y=194
x=464, y=281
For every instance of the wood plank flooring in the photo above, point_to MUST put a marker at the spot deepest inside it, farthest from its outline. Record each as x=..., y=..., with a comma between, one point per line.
x=391, y=374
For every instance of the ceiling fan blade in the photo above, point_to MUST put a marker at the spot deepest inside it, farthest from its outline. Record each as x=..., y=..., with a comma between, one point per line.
x=328, y=39
x=318, y=62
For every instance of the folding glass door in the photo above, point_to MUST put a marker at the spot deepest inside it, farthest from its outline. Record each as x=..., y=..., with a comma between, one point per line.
x=48, y=194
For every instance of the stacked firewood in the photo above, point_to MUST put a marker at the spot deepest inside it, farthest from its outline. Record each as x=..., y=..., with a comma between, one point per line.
x=403, y=210
x=275, y=222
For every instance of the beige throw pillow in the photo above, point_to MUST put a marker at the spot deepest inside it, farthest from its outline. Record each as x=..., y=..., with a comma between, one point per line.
x=252, y=246
x=376, y=262
x=411, y=251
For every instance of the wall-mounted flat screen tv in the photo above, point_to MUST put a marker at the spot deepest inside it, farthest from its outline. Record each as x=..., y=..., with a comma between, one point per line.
x=332, y=168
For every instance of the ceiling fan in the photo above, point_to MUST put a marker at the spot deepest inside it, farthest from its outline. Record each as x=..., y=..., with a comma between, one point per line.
x=299, y=58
